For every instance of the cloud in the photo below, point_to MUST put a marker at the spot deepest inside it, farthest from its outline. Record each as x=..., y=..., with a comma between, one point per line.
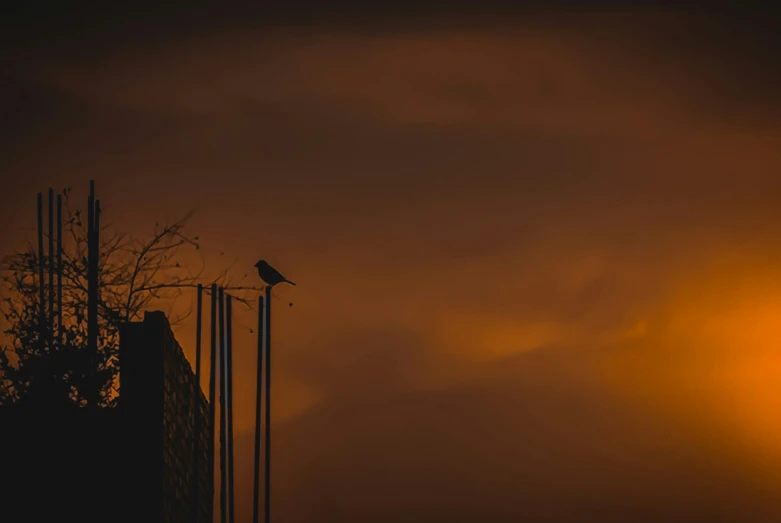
x=534, y=264
x=519, y=442
x=540, y=73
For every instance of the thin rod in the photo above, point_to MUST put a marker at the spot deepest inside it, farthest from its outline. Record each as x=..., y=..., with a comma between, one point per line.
x=50, y=261
x=92, y=294
x=59, y=270
x=229, y=387
x=197, y=403
x=258, y=400
x=41, y=255
x=267, y=331
x=223, y=449
x=212, y=388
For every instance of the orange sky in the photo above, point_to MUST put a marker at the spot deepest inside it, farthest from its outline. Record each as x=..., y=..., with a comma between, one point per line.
x=537, y=262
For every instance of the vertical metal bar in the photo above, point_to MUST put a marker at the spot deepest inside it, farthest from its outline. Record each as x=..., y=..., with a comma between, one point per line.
x=223, y=449
x=59, y=270
x=50, y=261
x=41, y=297
x=258, y=399
x=267, y=331
x=96, y=276
x=229, y=388
x=90, y=245
x=92, y=346
x=97, y=252
x=197, y=404
x=212, y=392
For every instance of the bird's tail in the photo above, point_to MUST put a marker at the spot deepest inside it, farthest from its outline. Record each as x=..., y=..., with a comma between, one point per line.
x=290, y=282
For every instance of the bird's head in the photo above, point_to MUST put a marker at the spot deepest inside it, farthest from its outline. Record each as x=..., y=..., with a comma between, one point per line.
x=261, y=263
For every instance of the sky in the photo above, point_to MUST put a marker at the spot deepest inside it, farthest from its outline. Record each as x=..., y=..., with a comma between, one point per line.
x=536, y=250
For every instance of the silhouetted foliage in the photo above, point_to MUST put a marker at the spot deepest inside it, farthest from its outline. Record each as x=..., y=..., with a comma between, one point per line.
x=133, y=274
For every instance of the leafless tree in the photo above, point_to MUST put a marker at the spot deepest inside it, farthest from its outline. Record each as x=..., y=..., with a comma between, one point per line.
x=134, y=274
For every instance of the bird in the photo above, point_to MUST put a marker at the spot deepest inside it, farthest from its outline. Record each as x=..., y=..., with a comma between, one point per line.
x=270, y=275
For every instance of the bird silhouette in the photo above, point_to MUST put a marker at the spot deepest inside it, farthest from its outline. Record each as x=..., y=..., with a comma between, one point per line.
x=270, y=275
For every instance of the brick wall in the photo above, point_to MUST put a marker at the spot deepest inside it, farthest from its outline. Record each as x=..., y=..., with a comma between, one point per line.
x=178, y=430
x=156, y=383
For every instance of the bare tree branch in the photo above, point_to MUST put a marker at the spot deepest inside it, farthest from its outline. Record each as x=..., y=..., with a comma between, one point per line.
x=134, y=274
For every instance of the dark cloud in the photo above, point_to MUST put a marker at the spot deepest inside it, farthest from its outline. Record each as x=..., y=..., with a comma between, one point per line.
x=93, y=27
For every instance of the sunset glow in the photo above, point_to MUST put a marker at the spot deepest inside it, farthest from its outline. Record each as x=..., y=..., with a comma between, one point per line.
x=538, y=257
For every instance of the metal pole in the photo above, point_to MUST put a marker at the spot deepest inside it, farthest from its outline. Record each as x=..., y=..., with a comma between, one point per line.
x=92, y=294
x=50, y=322
x=90, y=245
x=59, y=270
x=258, y=399
x=42, y=297
x=267, y=330
x=223, y=449
x=212, y=390
x=229, y=387
x=96, y=300
x=197, y=402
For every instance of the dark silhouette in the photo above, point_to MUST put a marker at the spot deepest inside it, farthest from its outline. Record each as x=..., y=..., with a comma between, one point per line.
x=270, y=275
x=62, y=359
x=213, y=376
x=125, y=286
x=132, y=462
x=223, y=410
x=267, y=331
x=258, y=399
x=157, y=398
x=59, y=270
x=50, y=324
x=196, y=396
x=229, y=389
x=41, y=265
x=93, y=287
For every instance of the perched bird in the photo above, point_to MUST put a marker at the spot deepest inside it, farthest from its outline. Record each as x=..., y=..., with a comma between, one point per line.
x=270, y=275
